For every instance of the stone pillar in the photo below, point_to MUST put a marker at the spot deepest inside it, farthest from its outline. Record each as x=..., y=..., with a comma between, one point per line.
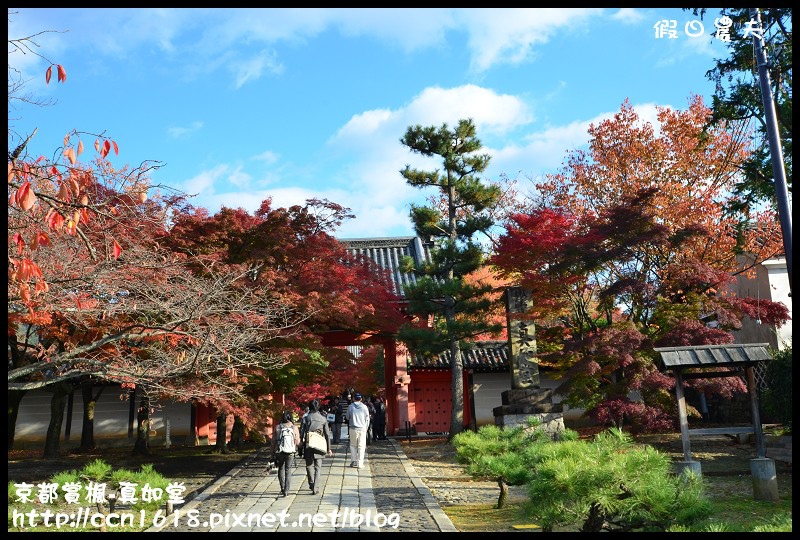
x=521, y=339
x=526, y=398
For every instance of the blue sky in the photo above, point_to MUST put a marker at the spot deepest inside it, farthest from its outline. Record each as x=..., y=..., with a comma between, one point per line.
x=245, y=104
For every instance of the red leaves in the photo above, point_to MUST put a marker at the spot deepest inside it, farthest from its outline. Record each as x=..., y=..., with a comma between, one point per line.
x=17, y=239
x=62, y=73
x=116, y=250
x=24, y=270
x=24, y=196
x=106, y=148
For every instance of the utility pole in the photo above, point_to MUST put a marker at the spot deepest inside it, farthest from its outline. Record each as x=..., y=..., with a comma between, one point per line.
x=776, y=153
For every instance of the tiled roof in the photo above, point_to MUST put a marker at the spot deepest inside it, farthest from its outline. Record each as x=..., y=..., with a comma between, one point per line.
x=713, y=355
x=484, y=356
x=387, y=253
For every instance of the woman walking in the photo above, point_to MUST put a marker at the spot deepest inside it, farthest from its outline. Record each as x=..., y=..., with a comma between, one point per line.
x=315, y=422
x=285, y=438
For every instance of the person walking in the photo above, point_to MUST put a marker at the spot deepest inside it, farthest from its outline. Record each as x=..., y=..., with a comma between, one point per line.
x=371, y=409
x=358, y=424
x=315, y=421
x=379, y=421
x=285, y=439
x=336, y=409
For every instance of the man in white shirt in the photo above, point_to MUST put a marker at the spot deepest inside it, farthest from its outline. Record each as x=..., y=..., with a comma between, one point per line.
x=358, y=424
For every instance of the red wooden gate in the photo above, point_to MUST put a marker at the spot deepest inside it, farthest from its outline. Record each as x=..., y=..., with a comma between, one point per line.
x=431, y=395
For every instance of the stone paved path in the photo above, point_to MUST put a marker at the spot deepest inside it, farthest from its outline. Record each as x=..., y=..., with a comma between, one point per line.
x=385, y=496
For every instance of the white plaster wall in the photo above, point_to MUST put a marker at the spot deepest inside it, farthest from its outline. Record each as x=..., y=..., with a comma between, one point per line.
x=111, y=417
x=771, y=282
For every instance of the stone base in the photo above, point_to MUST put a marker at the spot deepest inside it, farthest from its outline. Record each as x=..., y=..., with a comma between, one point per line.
x=551, y=422
x=527, y=396
x=528, y=409
x=765, y=482
x=683, y=468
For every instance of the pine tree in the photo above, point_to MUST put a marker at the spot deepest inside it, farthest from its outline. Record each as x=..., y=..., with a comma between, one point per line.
x=457, y=307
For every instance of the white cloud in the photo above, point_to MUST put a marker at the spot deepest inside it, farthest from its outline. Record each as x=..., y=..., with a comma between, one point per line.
x=628, y=16
x=251, y=69
x=268, y=157
x=509, y=35
x=176, y=132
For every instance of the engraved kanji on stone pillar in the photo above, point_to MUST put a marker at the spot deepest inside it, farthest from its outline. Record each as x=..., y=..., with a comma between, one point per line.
x=521, y=339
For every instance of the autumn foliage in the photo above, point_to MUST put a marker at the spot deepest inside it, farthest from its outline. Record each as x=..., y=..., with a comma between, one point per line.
x=630, y=247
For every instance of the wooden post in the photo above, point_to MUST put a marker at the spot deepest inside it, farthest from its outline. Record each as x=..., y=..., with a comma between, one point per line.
x=682, y=416
x=751, y=388
x=688, y=464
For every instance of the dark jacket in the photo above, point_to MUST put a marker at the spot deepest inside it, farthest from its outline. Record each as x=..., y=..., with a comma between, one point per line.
x=341, y=411
x=316, y=422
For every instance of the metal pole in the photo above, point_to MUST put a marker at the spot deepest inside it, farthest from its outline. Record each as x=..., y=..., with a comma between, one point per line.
x=776, y=153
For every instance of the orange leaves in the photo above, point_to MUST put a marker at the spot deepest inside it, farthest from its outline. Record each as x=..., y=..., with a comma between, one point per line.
x=23, y=196
x=83, y=301
x=56, y=172
x=106, y=147
x=116, y=250
x=69, y=153
x=40, y=239
x=74, y=186
x=19, y=241
x=62, y=73
x=24, y=270
x=54, y=220
x=63, y=193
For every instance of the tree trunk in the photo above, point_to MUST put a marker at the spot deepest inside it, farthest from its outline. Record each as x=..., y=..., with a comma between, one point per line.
x=192, y=439
x=595, y=520
x=222, y=428
x=237, y=432
x=89, y=404
x=501, y=500
x=456, y=379
x=52, y=443
x=14, y=399
x=142, y=445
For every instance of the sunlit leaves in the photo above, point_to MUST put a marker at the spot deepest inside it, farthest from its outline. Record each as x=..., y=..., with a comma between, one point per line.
x=69, y=153
x=61, y=73
x=24, y=197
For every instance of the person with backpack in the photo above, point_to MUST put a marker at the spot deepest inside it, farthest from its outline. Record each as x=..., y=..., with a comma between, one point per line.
x=285, y=439
x=318, y=423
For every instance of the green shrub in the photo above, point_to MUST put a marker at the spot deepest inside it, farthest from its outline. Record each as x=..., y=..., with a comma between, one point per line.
x=96, y=471
x=504, y=455
x=612, y=484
